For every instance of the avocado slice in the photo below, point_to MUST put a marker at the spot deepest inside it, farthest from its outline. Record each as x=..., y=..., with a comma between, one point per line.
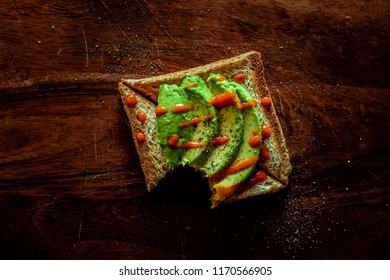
x=168, y=123
x=248, y=154
x=206, y=117
x=231, y=125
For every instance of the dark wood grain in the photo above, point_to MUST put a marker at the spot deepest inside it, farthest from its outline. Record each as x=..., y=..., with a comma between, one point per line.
x=70, y=182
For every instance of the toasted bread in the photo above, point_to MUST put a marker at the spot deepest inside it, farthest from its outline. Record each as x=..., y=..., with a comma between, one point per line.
x=153, y=162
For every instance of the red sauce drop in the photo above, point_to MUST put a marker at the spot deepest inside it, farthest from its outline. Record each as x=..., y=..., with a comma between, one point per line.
x=258, y=177
x=160, y=110
x=247, y=105
x=264, y=153
x=265, y=131
x=266, y=101
x=234, y=168
x=255, y=141
x=220, y=140
x=241, y=165
x=208, y=117
x=173, y=141
x=181, y=108
x=224, y=100
x=239, y=78
x=193, y=121
x=140, y=137
x=193, y=145
x=141, y=117
x=131, y=100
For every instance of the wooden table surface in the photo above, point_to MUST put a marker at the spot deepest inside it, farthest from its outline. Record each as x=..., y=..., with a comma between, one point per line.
x=71, y=186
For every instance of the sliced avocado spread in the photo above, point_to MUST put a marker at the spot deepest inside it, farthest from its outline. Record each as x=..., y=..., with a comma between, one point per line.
x=168, y=123
x=207, y=128
x=252, y=123
x=231, y=125
x=197, y=114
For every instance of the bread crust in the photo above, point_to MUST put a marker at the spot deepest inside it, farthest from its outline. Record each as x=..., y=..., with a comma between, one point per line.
x=153, y=163
x=277, y=137
x=252, y=65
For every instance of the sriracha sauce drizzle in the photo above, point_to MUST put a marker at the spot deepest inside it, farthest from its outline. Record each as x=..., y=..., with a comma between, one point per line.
x=181, y=108
x=236, y=167
x=220, y=140
x=160, y=110
x=266, y=132
x=239, y=78
x=223, y=100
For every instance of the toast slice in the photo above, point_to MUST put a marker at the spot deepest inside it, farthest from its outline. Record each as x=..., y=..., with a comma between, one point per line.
x=140, y=99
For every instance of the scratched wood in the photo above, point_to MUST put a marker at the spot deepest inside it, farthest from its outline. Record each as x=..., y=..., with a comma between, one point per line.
x=70, y=182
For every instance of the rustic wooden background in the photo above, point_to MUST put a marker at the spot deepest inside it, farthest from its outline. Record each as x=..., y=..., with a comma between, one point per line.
x=71, y=186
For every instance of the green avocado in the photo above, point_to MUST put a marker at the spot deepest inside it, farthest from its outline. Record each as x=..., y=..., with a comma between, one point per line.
x=231, y=124
x=207, y=128
x=252, y=122
x=203, y=122
x=168, y=123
